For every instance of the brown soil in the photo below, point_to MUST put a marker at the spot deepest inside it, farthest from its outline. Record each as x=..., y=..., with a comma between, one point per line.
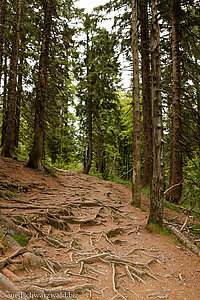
x=98, y=241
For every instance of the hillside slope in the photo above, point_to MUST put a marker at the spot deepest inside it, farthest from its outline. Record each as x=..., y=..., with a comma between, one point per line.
x=78, y=236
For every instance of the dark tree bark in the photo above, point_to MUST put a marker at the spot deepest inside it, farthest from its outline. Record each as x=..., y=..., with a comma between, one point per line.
x=157, y=184
x=4, y=100
x=198, y=103
x=2, y=23
x=36, y=154
x=146, y=93
x=89, y=151
x=18, y=103
x=8, y=149
x=176, y=156
x=99, y=148
x=136, y=186
x=89, y=105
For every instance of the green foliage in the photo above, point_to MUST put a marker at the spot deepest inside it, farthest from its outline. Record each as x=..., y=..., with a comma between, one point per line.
x=111, y=178
x=146, y=191
x=152, y=227
x=195, y=229
x=3, y=242
x=191, y=186
x=22, y=239
x=171, y=206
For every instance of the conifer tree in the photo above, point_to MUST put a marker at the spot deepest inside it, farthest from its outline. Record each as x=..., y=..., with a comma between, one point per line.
x=157, y=184
x=36, y=154
x=8, y=149
x=136, y=186
x=176, y=172
x=146, y=92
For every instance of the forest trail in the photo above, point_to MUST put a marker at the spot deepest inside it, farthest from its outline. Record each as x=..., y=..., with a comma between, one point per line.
x=86, y=241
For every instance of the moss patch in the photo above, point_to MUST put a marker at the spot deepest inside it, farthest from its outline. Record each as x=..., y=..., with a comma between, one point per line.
x=152, y=227
x=21, y=239
x=171, y=206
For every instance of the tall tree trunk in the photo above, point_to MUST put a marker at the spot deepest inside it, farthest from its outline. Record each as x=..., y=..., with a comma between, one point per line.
x=176, y=156
x=61, y=138
x=4, y=100
x=146, y=93
x=8, y=149
x=36, y=154
x=89, y=151
x=136, y=186
x=157, y=184
x=2, y=23
x=18, y=102
x=99, y=147
x=198, y=113
x=89, y=114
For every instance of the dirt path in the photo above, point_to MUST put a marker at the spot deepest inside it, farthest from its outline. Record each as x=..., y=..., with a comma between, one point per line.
x=88, y=242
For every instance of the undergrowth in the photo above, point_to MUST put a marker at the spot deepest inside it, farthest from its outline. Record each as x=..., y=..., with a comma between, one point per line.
x=153, y=227
x=21, y=239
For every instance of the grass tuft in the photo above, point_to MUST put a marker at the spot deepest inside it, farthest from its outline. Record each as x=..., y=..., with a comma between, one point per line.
x=153, y=227
x=21, y=239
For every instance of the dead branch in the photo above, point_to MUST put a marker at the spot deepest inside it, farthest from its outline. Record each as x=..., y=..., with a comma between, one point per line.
x=184, y=224
x=183, y=239
x=173, y=186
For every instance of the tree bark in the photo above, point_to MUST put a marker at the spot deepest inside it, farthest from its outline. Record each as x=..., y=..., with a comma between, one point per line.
x=146, y=93
x=136, y=186
x=4, y=100
x=176, y=155
x=89, y=114
x=2, y=23
x=157, y=184
x=198, y=111
x=36, y=154
x=89, y=151
x=8, y=149
x=18, y=103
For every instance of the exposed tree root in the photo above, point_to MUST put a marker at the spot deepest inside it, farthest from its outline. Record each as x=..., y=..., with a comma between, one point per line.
x=12, y=228
x=6, y=285
x=6, y=260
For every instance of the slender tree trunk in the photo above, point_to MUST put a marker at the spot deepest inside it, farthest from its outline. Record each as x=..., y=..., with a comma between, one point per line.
x=114, y=159
x=89, y=152
x=4, y=100
x=198, y=112
x=136, y=186
x=176, y=156
x=146, y=93
x=18, y=103
x=61, y=139
x=2, y=23
x=36, y=154
x=89, y=116
x=157, y=184
x=8, y=149
x=99, y=148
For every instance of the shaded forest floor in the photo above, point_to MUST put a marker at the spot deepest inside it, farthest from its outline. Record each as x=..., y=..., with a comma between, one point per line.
x=77, y=237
